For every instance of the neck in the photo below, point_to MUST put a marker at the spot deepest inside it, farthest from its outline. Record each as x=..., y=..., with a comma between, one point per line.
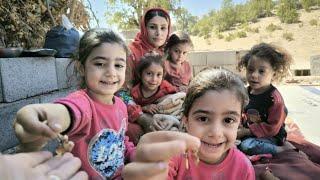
x=101, y=98
x=148, y=93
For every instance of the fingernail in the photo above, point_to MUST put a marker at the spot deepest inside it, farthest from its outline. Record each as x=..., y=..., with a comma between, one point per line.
x=57, y=126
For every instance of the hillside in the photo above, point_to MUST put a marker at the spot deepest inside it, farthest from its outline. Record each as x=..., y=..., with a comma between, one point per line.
x=305, y=43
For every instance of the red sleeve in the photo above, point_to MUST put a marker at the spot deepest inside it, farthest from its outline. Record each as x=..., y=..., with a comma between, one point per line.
x=276, y=118
x=79, y=104
x=168, y=88
x=134, y=110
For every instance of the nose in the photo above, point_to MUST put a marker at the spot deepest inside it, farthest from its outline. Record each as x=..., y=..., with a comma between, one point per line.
x=110, y=70
x=215, y=130
x=158, y=31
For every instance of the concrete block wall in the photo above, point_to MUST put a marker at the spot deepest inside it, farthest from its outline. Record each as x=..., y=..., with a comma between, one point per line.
x=218, y=59
x=315, y=65
x=27, y=81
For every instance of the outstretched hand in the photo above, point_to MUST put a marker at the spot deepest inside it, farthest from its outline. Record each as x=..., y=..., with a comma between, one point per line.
x=154, y=151
x=40, y=165
x=36, y=124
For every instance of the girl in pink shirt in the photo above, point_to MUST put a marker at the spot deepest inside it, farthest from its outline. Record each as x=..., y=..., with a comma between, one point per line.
x=93, y=118
x=212, y=112
x=178, y=70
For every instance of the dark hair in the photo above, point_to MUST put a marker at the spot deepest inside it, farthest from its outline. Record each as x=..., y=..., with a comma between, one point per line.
x=177, y=38
x=146, y=61
x=279, y=59
x=215, y=80
x=153, y=13
x=92, y=39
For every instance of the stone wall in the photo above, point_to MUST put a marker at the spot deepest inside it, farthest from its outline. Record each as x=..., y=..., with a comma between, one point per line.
x=315, y=65
x=27, y=81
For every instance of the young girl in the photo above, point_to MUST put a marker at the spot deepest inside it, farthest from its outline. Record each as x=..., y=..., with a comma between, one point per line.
x=93, y=118
x=178, y=70
x=266, y=111
x=212, y=113
x=150, y=88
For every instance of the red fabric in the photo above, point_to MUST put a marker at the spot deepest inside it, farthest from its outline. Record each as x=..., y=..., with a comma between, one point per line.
x=90, y=119
x=134, y=132
x=235, y=166
x=140, y=46
x=178, y=77
x=276, y=118
x=134, y=112
x=291, y=164
x=164, y=89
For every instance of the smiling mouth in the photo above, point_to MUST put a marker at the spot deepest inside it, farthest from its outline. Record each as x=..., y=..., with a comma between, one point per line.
x=109, y=83
x=212, y=145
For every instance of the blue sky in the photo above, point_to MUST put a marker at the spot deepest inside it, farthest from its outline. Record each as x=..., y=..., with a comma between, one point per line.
x=195, y=7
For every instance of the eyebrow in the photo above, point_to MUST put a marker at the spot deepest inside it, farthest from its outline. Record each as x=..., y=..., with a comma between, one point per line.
x=106, y=59
x=212, y=112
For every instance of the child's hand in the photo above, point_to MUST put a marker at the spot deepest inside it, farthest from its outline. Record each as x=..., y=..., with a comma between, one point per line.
x=35, y=126
x=40, y=165
x=151, y=108
x=153, y=152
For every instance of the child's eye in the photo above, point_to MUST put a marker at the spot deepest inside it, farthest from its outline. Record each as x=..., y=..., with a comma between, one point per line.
x=261, y=71
x=152, y=27
x=119, y=66
x=98, y=64
x=159, y=74
x=163, y=28
x=203, y=119
x=149, y=73
x=229, y=120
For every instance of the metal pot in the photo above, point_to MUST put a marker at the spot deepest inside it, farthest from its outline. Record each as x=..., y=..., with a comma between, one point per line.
x=10, y=52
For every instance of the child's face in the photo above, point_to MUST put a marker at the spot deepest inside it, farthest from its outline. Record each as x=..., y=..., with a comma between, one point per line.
x=157, y=29
x=214, y=118
x=151, y=77
x=104, y=71
x=178, y=53
x=259, y=75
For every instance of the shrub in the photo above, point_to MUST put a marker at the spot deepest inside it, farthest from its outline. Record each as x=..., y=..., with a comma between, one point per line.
x=288, y=36
x=241, y=34
x=271, y=27
x=313, y=22
x=230, y=37
x=220, y=36
x=287, y=11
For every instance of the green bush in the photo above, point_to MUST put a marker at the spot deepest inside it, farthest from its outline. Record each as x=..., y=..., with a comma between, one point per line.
x=271, y=27
x=241, y=34
x=313, y=22
x=288, y=36
x=220, y=36
x=306, y=4
x=230, y=37
x=287, y=11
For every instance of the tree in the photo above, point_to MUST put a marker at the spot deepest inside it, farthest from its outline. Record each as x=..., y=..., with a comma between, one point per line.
x=25, y=23
x=226, y=17
x=287, y=11
x=185, y=20
x=126, y=14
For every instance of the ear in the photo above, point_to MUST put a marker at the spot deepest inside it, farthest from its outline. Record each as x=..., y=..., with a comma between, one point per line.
x=185, y=122
x=79, y=67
